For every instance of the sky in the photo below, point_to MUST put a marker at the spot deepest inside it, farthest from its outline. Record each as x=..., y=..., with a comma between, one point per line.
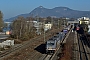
x=12, y=8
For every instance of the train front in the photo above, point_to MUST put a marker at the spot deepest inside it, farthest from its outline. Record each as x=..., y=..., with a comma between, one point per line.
x=50, y=46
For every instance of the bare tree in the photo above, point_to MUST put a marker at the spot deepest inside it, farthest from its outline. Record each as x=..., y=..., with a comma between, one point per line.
x=1, y=21
x=23, y=28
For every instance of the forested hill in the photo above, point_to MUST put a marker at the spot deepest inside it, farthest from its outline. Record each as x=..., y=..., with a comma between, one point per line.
x=55, y=12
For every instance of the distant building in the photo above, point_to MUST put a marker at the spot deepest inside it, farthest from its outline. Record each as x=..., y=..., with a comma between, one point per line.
x=84, y=21
x=40, y=25
x=72, y=22
x=84, y=18
x=47, y=26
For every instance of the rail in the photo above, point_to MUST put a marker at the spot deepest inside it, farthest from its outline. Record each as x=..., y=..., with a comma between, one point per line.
x=22, y=46
x=82, y=51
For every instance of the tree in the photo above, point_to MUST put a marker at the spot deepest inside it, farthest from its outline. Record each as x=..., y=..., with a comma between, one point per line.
x=1, y=22
x=22, y=28
x=18, y=26
x=49, y=19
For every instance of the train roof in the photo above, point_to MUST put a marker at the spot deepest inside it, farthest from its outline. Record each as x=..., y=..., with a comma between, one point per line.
x=60, y=33
x=49, y=41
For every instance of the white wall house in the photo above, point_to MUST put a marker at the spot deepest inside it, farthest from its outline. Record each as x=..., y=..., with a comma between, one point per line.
x=84, y=18
x=47, y=26
x=39, y=25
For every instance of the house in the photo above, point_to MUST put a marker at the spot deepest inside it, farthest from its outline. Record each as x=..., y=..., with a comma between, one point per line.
x=47, y=26
x=84, y=21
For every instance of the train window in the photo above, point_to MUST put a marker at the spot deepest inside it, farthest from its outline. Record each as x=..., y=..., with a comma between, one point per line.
x=50, y=43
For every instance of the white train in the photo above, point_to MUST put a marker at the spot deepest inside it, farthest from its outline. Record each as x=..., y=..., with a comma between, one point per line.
x=54, y=43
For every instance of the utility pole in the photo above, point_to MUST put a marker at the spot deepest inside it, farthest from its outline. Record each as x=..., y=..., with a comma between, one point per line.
x=44, y=30
x=64, y=23
x=58, y=24
x=29, y=25
x=21, y=29
x=52, y=21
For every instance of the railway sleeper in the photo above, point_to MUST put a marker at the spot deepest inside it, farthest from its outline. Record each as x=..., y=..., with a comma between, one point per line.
x=50, y=51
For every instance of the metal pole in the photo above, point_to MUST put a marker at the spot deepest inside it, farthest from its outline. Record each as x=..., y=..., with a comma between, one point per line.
x=44, y=35
x=58, y=24
x=44, y=31
x=21, y=29
x=64, y=23
x=52, y=21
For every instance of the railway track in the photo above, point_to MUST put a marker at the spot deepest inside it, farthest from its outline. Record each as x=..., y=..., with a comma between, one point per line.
x=82, y=49
x=68, y=53
x=55, y=55
x=87, y=45
x=17, y=48
x=50, y=57
x=9, y=51
x=47, y=57
x=22, y=46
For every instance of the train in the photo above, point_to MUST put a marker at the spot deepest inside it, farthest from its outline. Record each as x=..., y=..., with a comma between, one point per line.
x=66, y=29
x=53, y=43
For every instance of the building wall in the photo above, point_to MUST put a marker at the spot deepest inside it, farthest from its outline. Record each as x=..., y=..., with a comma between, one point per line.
x=47, y=26
x=84, y=21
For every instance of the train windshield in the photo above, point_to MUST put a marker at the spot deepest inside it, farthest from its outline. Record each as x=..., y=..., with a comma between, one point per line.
x=50, y=44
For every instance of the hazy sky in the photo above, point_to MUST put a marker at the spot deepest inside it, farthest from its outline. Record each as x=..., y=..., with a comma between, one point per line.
x=11, y=8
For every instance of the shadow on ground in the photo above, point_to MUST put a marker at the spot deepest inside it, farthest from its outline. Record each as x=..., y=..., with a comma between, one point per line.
x=41, y=48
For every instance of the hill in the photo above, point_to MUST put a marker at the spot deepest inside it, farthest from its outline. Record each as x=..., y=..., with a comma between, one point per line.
x=55, y=12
